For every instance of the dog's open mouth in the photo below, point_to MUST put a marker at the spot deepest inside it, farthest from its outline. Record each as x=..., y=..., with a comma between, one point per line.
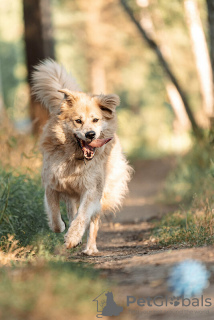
x=89, y=149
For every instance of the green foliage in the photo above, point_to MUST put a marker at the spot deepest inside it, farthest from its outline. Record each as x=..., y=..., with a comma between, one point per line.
x=11, y=56
x=193, y=176
x=129, y=67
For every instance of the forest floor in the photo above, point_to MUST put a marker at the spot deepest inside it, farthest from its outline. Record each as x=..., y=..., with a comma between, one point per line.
x=134, y=263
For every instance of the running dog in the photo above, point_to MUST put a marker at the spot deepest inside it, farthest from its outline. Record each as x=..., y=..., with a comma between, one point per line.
x=83, y=163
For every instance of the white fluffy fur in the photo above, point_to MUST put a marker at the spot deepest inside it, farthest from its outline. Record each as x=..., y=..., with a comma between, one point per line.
x=47, y=79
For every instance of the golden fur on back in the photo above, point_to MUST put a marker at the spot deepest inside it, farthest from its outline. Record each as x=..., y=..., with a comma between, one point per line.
x=88, y=187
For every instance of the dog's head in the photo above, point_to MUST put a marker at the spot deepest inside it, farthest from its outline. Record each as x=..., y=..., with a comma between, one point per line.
x=90, y=119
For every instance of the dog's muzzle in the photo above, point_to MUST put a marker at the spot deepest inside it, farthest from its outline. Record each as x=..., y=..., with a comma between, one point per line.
x=89, y=149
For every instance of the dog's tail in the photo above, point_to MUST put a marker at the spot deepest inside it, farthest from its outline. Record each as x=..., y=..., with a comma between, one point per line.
x=47, y=79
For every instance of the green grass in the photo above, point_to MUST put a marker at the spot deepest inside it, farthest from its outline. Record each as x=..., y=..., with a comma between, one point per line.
x=22, y=211
x=185, y=229
x=190, y=185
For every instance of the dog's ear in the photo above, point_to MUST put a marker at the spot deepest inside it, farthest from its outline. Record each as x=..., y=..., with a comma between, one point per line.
x=70, y=96
x=108, y=104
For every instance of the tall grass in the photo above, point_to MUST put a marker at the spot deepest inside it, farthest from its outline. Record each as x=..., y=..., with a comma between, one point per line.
x=191, y=185
x=22, y=212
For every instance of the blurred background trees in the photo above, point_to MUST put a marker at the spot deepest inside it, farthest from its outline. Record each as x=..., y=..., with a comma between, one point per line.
x=39, y=44
x=102, y=47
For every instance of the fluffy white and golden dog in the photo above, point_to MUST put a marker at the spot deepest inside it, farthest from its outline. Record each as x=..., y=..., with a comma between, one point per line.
x=83, y=163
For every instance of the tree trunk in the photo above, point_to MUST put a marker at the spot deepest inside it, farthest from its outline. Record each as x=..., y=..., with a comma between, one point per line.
x=181, y=117
x=93, y=43
x=210, y=7
x=153, y=45
x=201, y=54
x=182, y=123
x=1, y=98
x=3, y=115
x=39, y=45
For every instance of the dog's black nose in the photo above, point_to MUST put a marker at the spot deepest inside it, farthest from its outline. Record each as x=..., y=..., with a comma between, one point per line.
x=90, y=135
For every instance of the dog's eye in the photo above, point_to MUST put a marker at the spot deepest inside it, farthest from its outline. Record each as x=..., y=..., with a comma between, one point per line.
x=78, y=121
x=95, y=120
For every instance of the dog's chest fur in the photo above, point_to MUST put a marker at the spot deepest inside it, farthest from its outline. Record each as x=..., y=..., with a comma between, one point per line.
x=69, y=175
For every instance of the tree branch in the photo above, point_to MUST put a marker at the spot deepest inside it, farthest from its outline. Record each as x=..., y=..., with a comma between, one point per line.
x=153, y=45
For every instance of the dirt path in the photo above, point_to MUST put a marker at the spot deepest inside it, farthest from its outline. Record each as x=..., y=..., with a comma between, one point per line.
x=129, y=256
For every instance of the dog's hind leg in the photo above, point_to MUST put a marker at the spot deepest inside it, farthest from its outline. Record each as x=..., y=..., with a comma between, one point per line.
x=52, y=209
x=91, y=247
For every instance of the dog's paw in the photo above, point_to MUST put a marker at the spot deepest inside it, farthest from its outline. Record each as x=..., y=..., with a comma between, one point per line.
x=71, y=242
x=57, y=228
x=75, y=233
x=90, y=251
x=70, y=245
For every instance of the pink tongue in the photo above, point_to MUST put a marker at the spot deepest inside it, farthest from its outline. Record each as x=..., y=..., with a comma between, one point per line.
x=99, y=142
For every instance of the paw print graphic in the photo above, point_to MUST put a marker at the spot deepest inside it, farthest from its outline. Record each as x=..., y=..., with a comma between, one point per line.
x=175, y=301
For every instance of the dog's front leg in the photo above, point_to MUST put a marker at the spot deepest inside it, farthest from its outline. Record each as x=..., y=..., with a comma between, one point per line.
x=52, y=209
x=89, y=206
x=91, y=247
